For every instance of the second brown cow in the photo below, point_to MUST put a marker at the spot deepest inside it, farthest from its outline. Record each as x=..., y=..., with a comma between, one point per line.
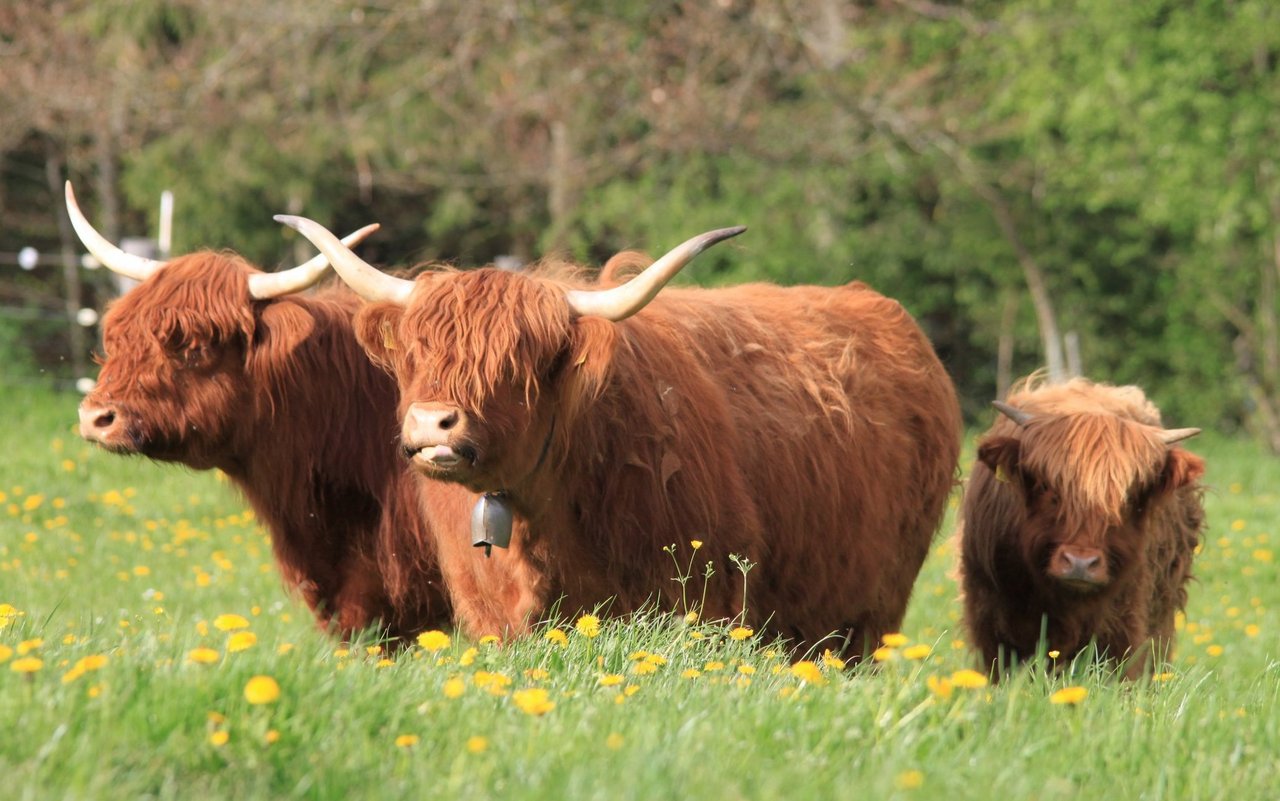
x=809, y=431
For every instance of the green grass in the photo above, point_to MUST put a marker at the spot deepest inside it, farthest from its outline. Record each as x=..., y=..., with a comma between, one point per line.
x=135, y=561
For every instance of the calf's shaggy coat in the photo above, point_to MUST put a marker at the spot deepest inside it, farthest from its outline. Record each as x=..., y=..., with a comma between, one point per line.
x=1079, y=516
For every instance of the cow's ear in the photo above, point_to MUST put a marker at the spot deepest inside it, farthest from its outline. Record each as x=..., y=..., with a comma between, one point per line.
x=588, y=362
x=280, y=327
x=377, y=330
x=1002, y=455
x=1181, y=469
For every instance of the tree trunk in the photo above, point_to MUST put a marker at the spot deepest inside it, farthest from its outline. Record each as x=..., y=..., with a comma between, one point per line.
x=72, y=298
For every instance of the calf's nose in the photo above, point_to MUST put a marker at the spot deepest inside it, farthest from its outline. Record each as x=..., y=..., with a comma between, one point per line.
x=1078, y=564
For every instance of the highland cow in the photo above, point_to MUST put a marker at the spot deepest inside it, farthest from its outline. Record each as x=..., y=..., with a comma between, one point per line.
x=210, y=363
x=1080, y=522
x=805, y=437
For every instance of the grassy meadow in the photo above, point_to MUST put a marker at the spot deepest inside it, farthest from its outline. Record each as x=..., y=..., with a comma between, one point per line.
x=139, y=607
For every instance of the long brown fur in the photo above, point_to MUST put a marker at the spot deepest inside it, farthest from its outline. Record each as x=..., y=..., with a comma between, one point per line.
x=810, y=430
x=1087, y=471
x=279, y=396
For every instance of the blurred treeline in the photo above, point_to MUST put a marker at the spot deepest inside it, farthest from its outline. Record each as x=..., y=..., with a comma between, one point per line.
x=1019, y=174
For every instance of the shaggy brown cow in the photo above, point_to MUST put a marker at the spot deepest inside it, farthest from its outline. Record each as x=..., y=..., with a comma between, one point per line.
x=1082, y=517
x=212, y=364
x=809, y=430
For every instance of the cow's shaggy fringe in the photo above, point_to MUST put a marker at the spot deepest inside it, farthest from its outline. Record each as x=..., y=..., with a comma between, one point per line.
x=1088, y=469
x=279, y=396
x=811, y=430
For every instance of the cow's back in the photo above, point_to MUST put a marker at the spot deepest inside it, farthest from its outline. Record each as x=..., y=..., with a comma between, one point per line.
x=847, y=431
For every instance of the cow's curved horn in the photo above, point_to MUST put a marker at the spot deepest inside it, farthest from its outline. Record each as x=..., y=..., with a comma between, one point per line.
x=1013, y=413
x=112, y=257
x=364, y=279
x=620, y=302
x=265, y=286
x=1171, y=435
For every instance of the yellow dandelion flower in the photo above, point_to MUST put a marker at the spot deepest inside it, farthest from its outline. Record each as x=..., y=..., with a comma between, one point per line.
x=746, y=670
x=271, y=737
x=373, y=650
x=713, y=666
x=72, y=674
x=909, y=780
x=656, y=659
x=94, y=691
x=939, y=686
x=636, y=656
x=533, y=701
x=1162, y=677
x=1054, y=654
x=453, y=688
x=696, y=544
x=203, y=656
x=1237, y=525
x=968, y=679
x=1251, y=630
x=284, y=648
x=9, y=613
x=556, y=636
x=884, y=653
x=219, y=738
x=406, y=741
x=27, y=646
x=914, y=652
x=740, y=632
x=490, y=639
x=241, y=641
x=261, y=690
x=1069, y=695
x=537, y=674
x=696, y=635
x=690, y=618
x=895, y=640
x=385, y=663
x=432, y=641
x=5, y=653
x=92, y=662
x=477, y=744
x=1263, y=555
x=832, y=661
x=588, y=626
x=690, y=673
x=644, y=668
x=468, y=657
x=27, y=664
x=612, y=679
x=613, y=742
x=807, y=672
x=230, y=622
x=630, y=690
x=33, y=502
x=1214, y=650
x=491, y=681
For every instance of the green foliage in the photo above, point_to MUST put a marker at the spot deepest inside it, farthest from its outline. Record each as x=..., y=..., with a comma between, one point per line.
x=1131, y=149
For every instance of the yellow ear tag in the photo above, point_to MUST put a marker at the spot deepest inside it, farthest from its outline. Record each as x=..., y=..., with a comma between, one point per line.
x=1001, y=475
x=388, y=336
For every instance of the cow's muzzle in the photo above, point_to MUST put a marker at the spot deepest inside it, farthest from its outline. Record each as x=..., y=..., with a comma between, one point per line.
x=1080, y=567
x=103, y=424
